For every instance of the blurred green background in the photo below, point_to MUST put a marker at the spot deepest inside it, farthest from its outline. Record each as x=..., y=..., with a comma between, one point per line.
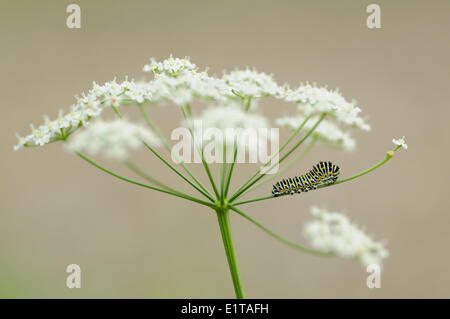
x=133, y=243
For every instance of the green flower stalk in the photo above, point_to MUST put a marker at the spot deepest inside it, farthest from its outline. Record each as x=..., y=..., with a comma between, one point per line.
x=318, y=117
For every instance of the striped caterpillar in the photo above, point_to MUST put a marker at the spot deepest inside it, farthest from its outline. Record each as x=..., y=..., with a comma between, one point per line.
x=321, y=173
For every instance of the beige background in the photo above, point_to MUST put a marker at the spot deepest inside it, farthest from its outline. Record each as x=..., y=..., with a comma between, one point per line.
x=130, y=242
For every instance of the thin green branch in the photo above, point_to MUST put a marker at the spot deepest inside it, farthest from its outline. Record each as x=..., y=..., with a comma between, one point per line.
x=223, y=169
x=205, y=164
x=285, y=144
x=211, y=179
x=230, y=171
x=246, y=106
x=254, y=200
x=239, y=193
x=177, y=171
x=283, y=169
x=177, y=194
x=138, y=171
x=189, y=110
x=167, y=163
x=154, y=128
x=168, y=147
x=280, y=238
x=389, y=155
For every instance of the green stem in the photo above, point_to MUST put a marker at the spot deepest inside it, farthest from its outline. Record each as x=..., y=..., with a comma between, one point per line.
x=230, y=171
x=280, y=238
x=224, y=224
x=189, y=110
x=211, y=179
x=154, y=128
x=254, y=200
x=248, y=104
x=223, y=170
x=389, y=155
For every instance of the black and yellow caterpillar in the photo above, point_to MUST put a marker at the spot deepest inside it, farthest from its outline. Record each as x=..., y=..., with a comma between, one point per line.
x=322, y=173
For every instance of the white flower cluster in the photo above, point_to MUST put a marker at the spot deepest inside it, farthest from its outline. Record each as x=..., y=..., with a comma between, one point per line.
x=326, y=132
x=252, y=84
x=171, y=66
x=178, y=81
x=113, y=139
x=334, y=232
x=229, y=117
x=187, y=86
x=88, y=106
x=316, y=100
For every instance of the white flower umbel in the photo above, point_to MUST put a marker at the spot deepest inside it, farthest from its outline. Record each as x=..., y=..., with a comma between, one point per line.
x=335, y=233
x=326, y=132
x=171, y=66
x=225, y=117
x=229, y=114
x=312, y=99
x=113, y=139
x=88, y=106
x=182, y=90
x=400, y=142
x=252, y=84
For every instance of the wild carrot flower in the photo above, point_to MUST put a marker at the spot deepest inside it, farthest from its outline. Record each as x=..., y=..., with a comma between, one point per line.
x=251, y=84
x=312, y=99
x=320, y=115
x=171, y=66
